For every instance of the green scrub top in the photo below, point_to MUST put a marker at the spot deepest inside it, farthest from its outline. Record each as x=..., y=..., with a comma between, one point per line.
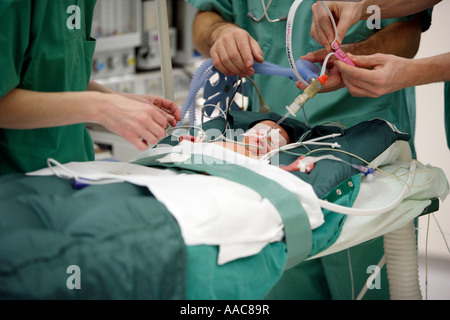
x=46, y=47
x=279, y=92
x=447, y=112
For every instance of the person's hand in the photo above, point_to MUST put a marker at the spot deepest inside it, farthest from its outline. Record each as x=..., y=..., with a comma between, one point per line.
x=234, y=51
x=141, y=121
x=334, y=81
x=168, y=108
x=345, y=14
x=375, y=75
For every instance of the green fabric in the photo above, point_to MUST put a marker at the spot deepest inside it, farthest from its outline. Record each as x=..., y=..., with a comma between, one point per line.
x=447, y=112
x=40, y=53
x=279, y=92
x=339, y=276
x=427, y=17
x=236, y=280
x=348, y=271
x=297, y=229
x=125, y=242
x=345, y=195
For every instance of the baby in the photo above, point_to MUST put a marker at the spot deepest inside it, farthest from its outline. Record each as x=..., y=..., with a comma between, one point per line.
x=257, y=141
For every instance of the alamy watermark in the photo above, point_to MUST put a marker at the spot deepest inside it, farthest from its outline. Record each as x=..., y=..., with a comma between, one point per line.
x=74, y=280
x=374, y=20
x=374, y=280
x=213, y=146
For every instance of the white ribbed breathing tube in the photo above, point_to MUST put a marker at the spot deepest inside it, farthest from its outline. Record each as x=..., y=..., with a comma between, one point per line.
x=400, y=250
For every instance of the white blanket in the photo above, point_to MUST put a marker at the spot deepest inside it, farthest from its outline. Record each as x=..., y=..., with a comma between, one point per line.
x=209, y=210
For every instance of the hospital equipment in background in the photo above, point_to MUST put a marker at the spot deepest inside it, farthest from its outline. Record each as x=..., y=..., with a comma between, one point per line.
x=117, y=27
x=127, y=56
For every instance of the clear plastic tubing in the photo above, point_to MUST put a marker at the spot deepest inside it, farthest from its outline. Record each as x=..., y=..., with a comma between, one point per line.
x=308, y=70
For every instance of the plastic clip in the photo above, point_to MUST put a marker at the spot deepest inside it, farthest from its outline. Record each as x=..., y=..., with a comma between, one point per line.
x=341, y=54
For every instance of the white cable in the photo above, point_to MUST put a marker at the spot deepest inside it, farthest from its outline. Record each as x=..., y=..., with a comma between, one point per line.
x=331, y=18
x=370, y=212
x=70, y=173
x=73, y=175
x=329, y=136
x=333, y=145
x=350, y=269
x=221, y=112
x=289, y=29
x=299, y=144
x=325, y=62
x=442, y=232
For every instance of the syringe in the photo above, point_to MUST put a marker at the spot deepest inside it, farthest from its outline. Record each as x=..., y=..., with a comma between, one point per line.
x=315, y=85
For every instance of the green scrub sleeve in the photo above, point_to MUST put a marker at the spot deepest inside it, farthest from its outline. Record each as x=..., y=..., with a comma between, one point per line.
x=426, y=23
x=447, y=112
x=223, y=7
x=426, y=19
x=15, y=16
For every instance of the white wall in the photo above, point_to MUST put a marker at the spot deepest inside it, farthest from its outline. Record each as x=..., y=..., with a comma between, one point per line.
x=430, y=135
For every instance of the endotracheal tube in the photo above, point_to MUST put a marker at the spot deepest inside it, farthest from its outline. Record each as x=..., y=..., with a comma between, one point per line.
x=314, y=87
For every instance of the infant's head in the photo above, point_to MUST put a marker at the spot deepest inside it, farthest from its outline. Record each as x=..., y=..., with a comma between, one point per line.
x=264, y=137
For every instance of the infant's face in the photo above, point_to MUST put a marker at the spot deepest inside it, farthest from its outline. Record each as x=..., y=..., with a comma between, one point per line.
x=258, y=143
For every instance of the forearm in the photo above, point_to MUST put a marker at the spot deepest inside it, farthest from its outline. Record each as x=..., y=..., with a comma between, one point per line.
x=429, y=70
x=95, y=86
x=399, y=38
x=24, y=109
x=205, y=25
x=396, y=8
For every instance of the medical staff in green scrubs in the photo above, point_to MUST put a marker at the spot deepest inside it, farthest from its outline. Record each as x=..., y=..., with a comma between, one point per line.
x=46, y=94
x=386, y=74
x=226, y=31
